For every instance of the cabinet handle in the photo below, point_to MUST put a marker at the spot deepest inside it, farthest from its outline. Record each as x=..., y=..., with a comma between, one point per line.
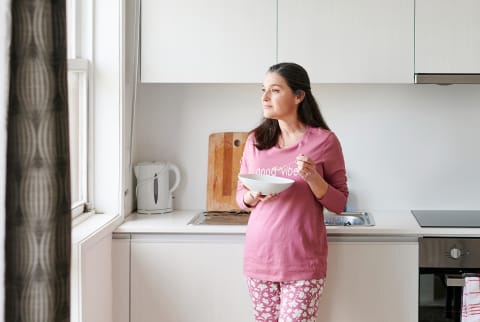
x=454, y=280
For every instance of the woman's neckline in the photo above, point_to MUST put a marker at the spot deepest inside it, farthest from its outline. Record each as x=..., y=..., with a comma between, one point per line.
x=301, y=138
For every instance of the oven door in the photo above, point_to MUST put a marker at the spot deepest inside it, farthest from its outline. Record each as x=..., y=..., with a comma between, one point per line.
x=440, y=294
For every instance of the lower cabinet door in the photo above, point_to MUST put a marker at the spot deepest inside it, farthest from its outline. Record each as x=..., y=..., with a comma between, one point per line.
x=371, y=281
x=187, y=278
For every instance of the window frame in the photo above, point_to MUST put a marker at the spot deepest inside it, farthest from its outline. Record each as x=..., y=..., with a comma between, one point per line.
x=79, y=54
x=82, y=68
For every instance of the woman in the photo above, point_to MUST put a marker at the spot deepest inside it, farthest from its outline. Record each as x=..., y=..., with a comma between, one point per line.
x=286, y=241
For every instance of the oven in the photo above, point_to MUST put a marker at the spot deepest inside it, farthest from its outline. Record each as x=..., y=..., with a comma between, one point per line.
x=444, y=264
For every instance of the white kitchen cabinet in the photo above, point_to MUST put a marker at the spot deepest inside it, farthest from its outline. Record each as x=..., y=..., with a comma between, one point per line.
x=209, y=41
x=447, y=36
x=349, y=41
x=121, y=277
x=185, y=278
x=370, y=280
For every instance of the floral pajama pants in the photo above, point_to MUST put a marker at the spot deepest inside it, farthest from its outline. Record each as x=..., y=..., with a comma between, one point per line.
x=295, y=301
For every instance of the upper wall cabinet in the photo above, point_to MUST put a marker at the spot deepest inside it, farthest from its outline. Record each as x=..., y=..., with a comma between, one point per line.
x=208, y=41
x=349, y=41
x=447, y=36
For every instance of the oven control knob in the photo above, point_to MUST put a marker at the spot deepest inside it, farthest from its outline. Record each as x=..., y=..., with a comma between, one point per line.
x=455, y=253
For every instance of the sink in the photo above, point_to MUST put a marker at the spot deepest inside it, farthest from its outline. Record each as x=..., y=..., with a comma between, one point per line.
x=220, y=218
x=344, y=220
x=347, y=218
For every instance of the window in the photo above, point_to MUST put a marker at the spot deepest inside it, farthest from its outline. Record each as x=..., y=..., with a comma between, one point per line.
x=78, y=103
x=78, y=125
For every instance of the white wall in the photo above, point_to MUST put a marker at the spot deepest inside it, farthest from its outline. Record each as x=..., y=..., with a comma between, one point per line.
x=97, y=281
x=132, y=10
x=406, y=146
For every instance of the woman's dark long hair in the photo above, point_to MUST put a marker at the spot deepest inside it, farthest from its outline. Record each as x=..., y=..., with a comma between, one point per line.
x=296, y=77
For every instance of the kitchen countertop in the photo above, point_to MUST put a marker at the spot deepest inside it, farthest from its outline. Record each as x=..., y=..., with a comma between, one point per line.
x=387, y=223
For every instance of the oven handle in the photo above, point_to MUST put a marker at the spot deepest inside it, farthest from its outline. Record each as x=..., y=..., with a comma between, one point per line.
x=455, y=280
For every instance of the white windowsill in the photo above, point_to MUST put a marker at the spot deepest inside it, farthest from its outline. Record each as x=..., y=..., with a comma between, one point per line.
x=94, y=226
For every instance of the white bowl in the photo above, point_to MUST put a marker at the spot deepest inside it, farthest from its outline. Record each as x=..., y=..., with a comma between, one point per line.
x=265, y=184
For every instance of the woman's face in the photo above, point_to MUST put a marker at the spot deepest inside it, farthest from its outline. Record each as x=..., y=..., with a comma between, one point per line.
x=278, y=100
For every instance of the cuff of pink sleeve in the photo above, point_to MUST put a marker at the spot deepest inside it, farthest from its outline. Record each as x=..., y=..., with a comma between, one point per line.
x=333, y=200
x=240, y=201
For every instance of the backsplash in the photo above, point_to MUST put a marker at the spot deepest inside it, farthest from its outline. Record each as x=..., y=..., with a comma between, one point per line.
x=405, y=146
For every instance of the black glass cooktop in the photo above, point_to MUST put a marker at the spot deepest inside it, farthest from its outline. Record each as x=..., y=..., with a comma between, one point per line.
x=448, y=218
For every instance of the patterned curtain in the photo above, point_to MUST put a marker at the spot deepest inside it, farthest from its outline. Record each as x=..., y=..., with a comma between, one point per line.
x=38, y=220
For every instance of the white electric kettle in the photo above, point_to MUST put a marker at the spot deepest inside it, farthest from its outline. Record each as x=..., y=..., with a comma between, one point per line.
x=154, y=192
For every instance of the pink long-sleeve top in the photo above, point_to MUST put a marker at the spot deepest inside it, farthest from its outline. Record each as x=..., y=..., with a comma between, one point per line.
x=286, y=237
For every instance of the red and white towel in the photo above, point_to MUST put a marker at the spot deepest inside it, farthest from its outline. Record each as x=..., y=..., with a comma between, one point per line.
x=471, y=299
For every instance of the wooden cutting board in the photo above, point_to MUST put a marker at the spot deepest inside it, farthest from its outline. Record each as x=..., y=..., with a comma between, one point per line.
x=224, y=153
